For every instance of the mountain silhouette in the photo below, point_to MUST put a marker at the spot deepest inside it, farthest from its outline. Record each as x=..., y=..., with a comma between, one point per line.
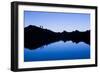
x=35, y=37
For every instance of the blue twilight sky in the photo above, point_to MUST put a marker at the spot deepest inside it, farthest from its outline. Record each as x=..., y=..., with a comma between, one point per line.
x=58, y=22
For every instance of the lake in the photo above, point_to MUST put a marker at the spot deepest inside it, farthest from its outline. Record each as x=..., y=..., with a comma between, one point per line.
x=58, y=51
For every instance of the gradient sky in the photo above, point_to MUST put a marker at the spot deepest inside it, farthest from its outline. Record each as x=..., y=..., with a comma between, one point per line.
x=58, y=22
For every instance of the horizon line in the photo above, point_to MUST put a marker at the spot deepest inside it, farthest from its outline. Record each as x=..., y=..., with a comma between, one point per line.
x=58, y=32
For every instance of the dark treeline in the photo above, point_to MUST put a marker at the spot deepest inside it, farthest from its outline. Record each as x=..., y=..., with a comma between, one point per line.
x=35, y=37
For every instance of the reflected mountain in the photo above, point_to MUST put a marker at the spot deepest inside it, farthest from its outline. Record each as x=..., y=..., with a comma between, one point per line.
x=35, y=37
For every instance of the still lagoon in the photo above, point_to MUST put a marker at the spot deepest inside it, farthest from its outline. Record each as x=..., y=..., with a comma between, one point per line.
x=59, y=50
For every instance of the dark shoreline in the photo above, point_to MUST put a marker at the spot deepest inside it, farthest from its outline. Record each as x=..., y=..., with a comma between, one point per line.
x=35, y=37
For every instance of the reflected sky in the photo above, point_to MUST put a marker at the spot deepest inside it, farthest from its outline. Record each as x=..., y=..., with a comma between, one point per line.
x=58, y=51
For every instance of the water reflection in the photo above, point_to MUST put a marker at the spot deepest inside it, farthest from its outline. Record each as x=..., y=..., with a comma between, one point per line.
x=58, y=50
x=41, y=43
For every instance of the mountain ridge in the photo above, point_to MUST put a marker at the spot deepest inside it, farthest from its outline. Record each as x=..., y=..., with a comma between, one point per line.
x=36, y=36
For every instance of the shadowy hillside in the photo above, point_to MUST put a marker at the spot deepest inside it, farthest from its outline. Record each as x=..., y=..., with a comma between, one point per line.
x=35, y=37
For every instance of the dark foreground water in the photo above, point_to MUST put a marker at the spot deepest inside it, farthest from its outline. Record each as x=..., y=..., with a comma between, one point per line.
x=58, y=51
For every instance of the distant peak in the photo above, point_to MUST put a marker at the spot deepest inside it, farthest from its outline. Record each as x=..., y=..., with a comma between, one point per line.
x=30, y=25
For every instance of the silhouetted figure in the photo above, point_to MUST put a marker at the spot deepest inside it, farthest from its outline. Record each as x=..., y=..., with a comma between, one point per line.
x=41, y=27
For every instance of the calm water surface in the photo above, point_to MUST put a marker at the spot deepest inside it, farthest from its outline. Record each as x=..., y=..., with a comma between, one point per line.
x=58, y=51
